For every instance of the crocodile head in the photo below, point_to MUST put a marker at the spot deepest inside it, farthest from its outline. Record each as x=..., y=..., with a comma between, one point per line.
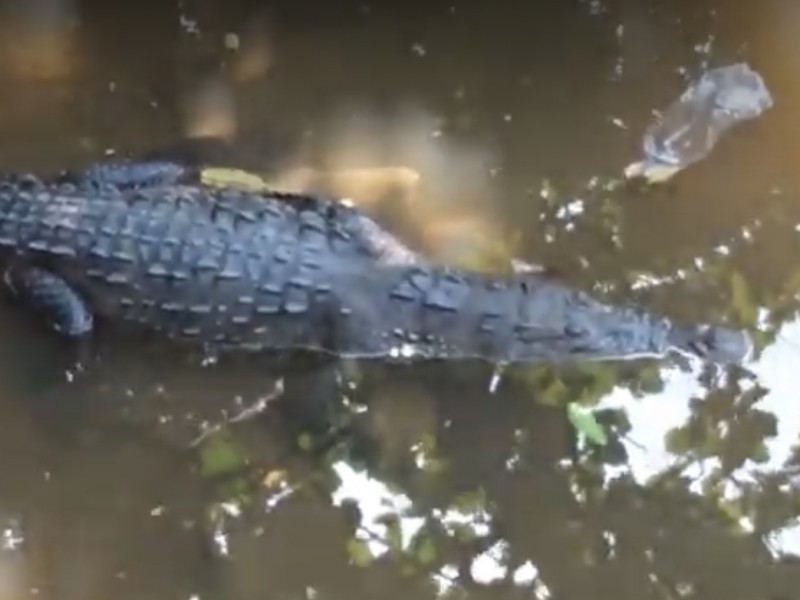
x=712, y=343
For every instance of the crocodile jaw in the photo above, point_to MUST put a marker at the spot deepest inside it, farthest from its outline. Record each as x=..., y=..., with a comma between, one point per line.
x=713, y=344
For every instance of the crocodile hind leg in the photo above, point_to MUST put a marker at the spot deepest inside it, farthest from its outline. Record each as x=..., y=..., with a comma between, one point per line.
x=52, y=297
x=61, y=306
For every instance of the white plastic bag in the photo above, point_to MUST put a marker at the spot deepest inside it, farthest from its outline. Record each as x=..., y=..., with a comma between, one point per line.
x=692, y=125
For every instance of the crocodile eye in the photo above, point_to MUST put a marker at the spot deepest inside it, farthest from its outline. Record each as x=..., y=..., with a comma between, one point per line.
x=30, y=182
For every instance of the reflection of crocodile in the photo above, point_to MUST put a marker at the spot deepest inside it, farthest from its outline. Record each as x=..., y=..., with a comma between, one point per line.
x=142, y=246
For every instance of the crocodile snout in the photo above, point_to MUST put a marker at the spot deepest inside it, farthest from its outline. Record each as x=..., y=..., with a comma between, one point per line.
x=715, y=344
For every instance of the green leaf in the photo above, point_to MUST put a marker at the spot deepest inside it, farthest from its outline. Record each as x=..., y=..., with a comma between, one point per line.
x=426, y=551
x=359, y=552
x=470, y=501
x=305, y=442
x=554, y=393
x=463, y=533
x=237, y=490
x=650, y=381
x=220, y=455
x=394, y=535
x=760, y=453
x=731, y=509
x=741, y=299
x=677, y=440
x=584, y=421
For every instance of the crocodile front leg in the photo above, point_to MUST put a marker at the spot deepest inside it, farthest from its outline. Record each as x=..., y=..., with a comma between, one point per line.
x=52, y=297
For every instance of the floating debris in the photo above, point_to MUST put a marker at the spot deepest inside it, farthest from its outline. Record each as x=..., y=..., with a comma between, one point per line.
x=692, y=125
x=571, y=209
x=618, y=122
x=231, y=41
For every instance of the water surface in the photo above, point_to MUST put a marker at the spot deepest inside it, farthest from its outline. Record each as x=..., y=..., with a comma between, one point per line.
x=505, y=121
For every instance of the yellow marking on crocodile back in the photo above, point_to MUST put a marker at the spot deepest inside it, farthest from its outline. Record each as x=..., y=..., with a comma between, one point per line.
x=224, y=177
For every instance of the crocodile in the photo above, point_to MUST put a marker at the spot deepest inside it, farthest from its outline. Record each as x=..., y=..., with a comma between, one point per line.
x=145, y=246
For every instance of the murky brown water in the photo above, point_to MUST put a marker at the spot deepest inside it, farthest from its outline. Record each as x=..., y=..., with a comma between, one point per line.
x=139, y=480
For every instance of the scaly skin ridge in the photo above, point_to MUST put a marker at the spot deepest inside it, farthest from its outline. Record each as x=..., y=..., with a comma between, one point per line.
x=268, y=271
x=465, y=315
